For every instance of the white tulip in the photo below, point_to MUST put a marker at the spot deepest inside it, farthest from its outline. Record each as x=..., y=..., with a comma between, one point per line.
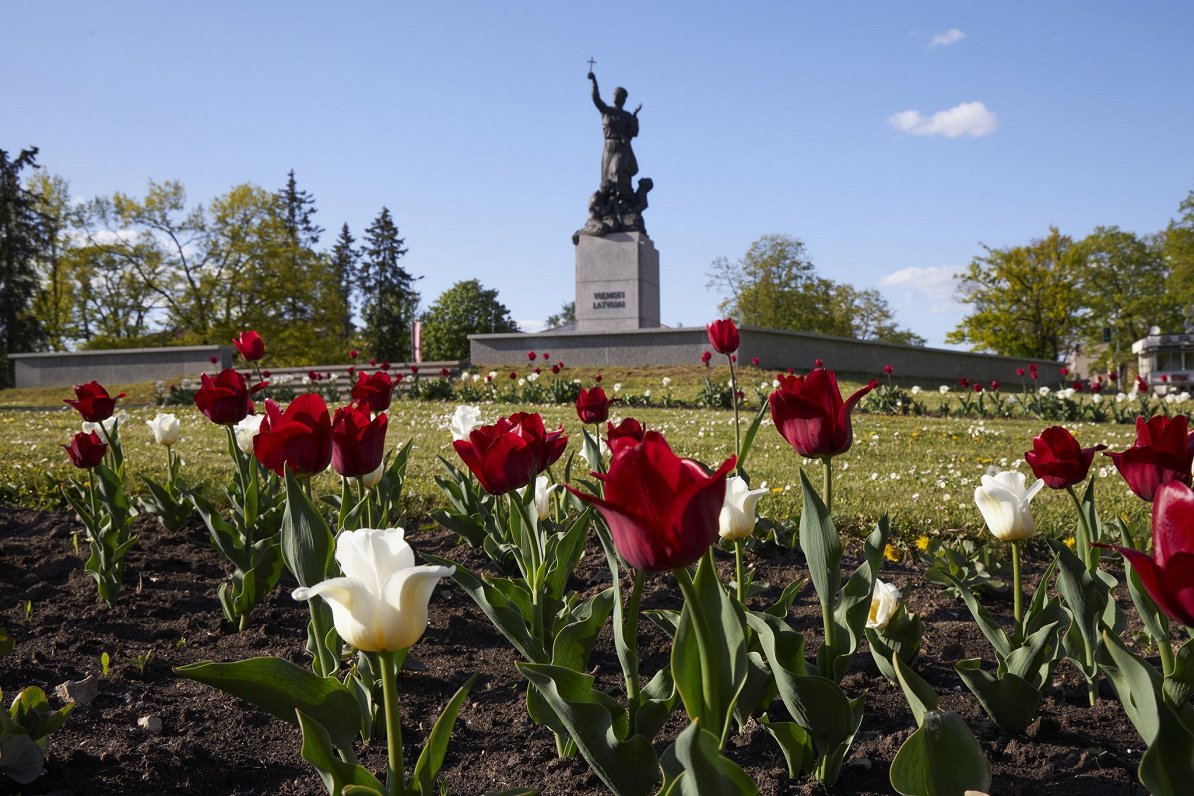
x=372, y=479
x=245, y=431
x=943, y=389
x=464, y=420
x=884, y=602
x=166, y=429
x=542, y=496
x=108, y=425
x=380, y=603
x=1003, y=500
x=604, y=452
x=737, y=518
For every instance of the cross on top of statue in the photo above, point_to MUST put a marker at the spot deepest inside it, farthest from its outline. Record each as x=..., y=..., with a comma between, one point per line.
x=591, y=62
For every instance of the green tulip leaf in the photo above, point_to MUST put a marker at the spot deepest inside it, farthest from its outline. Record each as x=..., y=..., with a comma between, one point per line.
x=1179, y=685
x=280, y=688
x=600, y=727
x=795, y=744
x=505, y=602
x=853, y=607
x=748, y=437
x=21, y=759
x=1167, y=767
x=942, y=758
x=307, y=541
x=728, y=669
x=989, y=627
x=920, y=695
x=783, y=604
x=431, y=759
x=337, y=775
x=1010, y=700
x=821, y=545
x=695, y=766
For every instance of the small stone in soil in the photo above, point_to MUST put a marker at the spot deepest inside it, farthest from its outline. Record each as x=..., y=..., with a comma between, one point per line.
x=151, y=724
x=81, y=692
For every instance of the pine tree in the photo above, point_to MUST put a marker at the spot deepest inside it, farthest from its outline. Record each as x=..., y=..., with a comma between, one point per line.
x=23, y=238
x=344, y=264
x=298, y=218
x=387, y=291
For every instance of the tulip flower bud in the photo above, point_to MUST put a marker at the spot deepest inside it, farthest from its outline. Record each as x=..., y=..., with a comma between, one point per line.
x=380, y=603
x=885, y=601
x=1003, y=501
x=245, y=430
x=166, y=429
x=737, y=518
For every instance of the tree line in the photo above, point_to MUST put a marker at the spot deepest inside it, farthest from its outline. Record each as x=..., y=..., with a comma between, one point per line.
x=125, y=271
x=1097, y=295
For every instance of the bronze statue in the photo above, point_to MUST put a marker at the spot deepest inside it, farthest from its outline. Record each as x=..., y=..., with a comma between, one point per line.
x=618, y=164
x=616, y=206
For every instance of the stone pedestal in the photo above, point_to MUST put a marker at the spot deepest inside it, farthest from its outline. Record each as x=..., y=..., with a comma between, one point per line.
x=617, y=283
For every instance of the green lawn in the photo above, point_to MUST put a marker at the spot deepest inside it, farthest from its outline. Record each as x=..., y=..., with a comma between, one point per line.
x=922, y=471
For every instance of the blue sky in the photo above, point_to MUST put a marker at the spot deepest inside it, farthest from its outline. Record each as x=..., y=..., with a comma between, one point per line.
x=892, y=138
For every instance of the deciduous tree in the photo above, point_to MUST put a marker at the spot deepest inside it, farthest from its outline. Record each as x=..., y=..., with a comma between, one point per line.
x=463, y=309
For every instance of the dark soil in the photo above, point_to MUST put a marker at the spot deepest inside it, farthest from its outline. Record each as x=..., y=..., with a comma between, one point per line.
x=211, y=743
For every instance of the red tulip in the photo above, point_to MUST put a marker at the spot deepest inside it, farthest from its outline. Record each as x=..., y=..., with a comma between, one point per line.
x=213, y=359
x=353, y=353
x=93, y=402
x=531, y=355
x=414, y=370
x=888, y=369
x=706, y=356
x=513, y=375
x=1076, y=386
x=1065, y=371
x=1113, y=376
x=511, y=452
x=817, y=363
x=662, y=510
x=250, y=345
x=358, y=441
x=1168, y=575
x=545, y=356
x=754, y=361
x=377, y=390
x=592, y=406
x=225, y=400
x=995, y=385
x=1162, y=453
x=86, y=450
x=555, y=369
x=977, y=387
x=963, y=382
x=723, y=336
x=597, y=378
x=628, y=432
x=810, y=414
x=1058, y=460
x=1019, y=371
x=444, y=372
x=300, y=437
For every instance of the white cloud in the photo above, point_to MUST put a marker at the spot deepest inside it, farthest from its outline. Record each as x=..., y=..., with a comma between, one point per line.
x=531, y=326
x=969, y=118
x=947, y=39
x=931, y=289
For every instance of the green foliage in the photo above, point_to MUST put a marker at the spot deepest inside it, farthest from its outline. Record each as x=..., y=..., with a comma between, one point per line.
x=465, y=308
x=1024, y=299
x=24, y=236
x=775, y=286
x=388, y=296
x=566, y=315
x=24, y=732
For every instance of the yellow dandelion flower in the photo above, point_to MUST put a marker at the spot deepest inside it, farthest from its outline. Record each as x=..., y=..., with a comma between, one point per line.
x=1070, y=542
x=922, y=543
x=892, y=553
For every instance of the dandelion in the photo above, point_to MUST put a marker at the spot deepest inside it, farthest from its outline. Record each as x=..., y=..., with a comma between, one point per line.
x=922, y=543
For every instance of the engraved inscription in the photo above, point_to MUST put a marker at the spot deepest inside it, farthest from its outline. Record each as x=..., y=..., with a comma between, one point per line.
x=609, y=299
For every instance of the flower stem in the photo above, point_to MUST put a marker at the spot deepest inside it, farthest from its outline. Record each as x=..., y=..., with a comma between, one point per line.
x=630, y=665
x=737, y=423
x=396, y=775
x=739, y=571
x=1017, y=597
x=709, y=695
x=827, y=481
x=1165, y=647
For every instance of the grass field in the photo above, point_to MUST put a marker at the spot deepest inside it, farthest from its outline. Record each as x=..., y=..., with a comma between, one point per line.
x=922, y=471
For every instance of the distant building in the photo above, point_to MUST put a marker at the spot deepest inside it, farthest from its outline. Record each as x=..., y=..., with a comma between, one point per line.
x=1166, y=361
